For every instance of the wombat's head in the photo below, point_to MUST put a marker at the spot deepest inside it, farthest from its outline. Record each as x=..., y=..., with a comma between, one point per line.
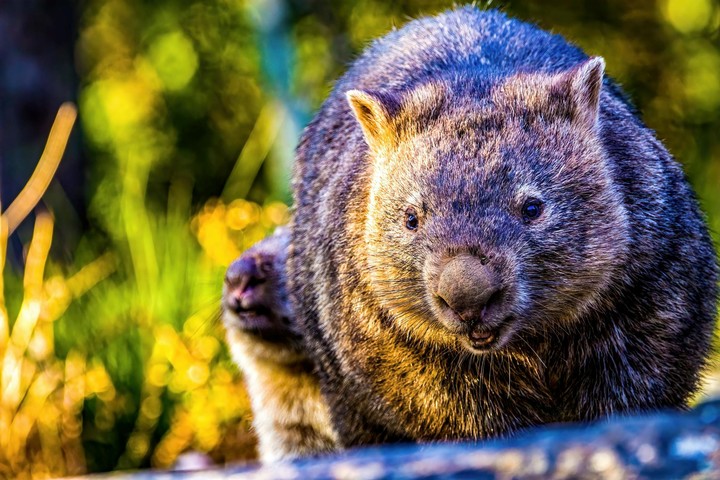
x=492, y=210
x=255, y=298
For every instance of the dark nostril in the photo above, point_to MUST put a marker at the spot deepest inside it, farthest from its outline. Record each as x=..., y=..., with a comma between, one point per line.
x=442, y=301
x=444, y=305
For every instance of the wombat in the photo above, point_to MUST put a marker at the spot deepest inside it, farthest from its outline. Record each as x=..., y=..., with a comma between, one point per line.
x=289, y=415
x=486, y=237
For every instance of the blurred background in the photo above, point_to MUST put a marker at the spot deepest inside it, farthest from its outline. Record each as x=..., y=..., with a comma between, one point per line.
x=188, y=113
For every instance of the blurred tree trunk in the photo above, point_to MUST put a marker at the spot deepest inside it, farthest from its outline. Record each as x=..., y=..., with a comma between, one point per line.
x=37, y=74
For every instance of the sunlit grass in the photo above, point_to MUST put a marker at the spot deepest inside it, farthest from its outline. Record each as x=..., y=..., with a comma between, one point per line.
x=65, y=385
x=41, y=395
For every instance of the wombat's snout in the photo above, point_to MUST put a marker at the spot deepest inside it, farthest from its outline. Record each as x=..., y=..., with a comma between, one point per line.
x=471, y=288
x=241, y=280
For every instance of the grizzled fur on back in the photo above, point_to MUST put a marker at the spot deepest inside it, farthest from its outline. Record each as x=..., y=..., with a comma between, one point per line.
x=417, y=173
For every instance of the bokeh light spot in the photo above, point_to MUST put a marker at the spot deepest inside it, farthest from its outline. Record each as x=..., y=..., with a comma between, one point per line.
x=687, y=15
x=702, y=81
x=198, y=373
x=174, y=59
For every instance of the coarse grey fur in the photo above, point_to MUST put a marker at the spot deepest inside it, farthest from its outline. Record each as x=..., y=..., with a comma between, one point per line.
x=603, y=303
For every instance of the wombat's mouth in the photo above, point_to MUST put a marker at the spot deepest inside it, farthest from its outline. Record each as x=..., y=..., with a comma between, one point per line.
x=264, y=324
x=258, y=318
x=480, y=339
x=254, y=319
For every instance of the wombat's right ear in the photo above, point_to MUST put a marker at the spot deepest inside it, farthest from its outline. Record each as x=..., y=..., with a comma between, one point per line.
x=583, y=85
x=374, y=112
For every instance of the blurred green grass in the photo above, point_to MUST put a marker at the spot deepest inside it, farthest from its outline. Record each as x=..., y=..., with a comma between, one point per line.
x=189, y=113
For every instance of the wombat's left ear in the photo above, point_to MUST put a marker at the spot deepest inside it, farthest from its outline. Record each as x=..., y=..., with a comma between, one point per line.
x=585, y=84
x=374, y=112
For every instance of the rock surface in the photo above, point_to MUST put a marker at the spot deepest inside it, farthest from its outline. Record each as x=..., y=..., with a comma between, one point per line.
x=663, y=445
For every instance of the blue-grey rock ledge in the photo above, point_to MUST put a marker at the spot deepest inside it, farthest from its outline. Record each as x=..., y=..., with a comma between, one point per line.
x=663, y=445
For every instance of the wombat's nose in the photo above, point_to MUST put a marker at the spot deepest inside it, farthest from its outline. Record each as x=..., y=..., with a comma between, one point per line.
x=242, y=276
x=468, y=287
x=242, y=271
x=246, y=271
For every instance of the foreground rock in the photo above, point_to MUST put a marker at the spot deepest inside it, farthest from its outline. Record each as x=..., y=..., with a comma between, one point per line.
x=665, y=445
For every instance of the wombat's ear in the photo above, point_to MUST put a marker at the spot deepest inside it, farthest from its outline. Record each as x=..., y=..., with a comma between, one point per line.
x=585, y=84
x=374, y=113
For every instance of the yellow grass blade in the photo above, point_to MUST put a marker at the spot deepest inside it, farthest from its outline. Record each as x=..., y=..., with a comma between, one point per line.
x=33, y=191
x=33, y=281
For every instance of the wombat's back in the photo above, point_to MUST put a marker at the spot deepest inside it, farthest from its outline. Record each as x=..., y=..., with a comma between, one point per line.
x=484, y=43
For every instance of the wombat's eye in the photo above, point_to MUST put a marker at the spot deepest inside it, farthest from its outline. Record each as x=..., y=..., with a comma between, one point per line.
x=411, y=219
x=531, y=209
